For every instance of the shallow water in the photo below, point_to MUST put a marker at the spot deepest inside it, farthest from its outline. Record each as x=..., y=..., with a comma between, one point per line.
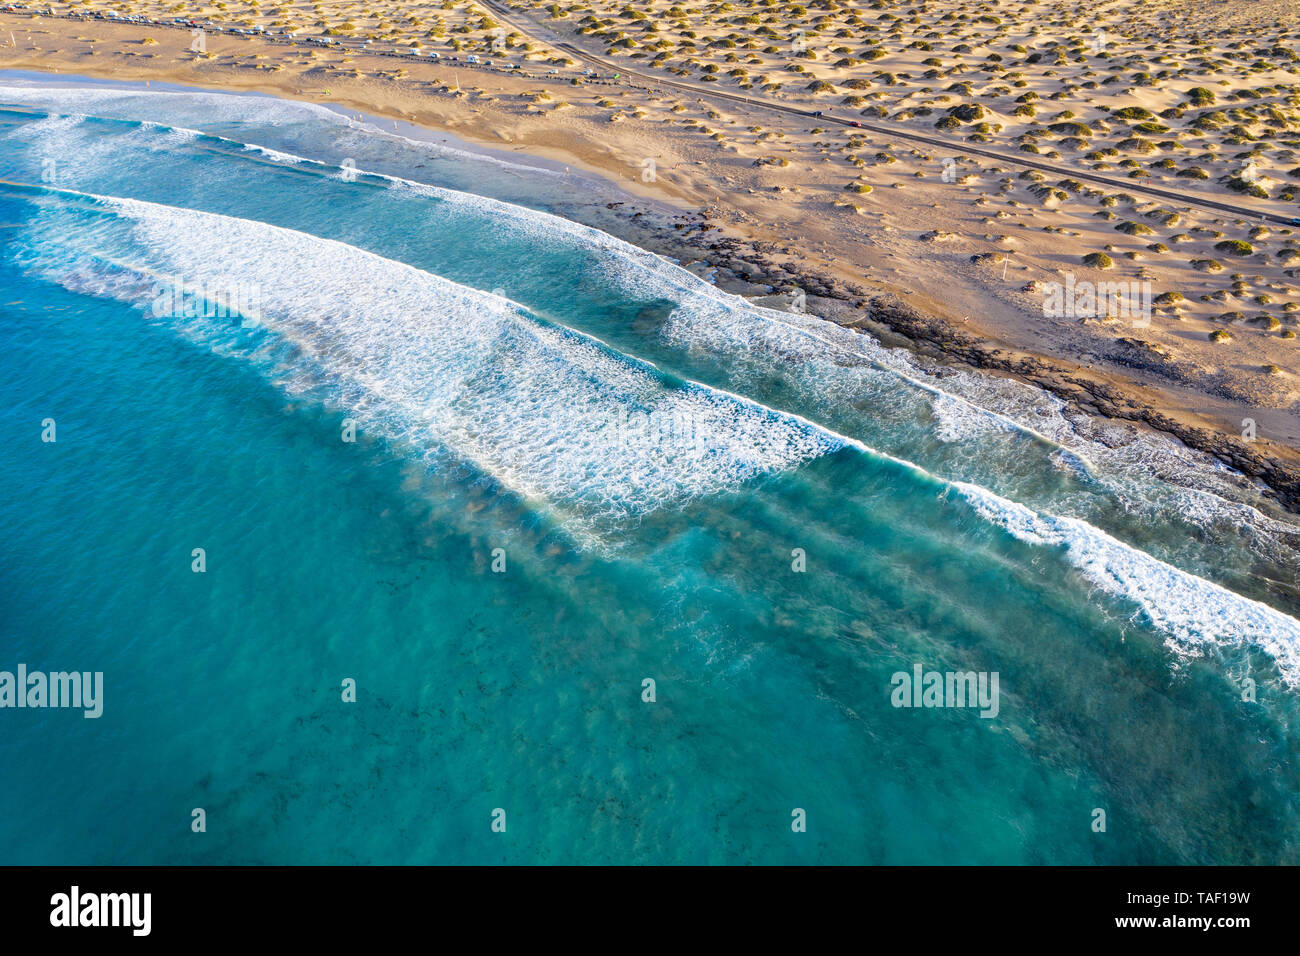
x=653, y=459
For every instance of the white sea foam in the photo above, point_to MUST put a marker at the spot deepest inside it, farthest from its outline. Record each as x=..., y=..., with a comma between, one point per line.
x=953, y=420
x=160, y=105
x=1194, y=613
x=54, y=123
x=183, y=108
x=549, y=413
x=56, y=137
x=275, y=154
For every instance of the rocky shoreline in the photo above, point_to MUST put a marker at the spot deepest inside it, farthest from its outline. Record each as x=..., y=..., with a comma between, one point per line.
x=856, y=307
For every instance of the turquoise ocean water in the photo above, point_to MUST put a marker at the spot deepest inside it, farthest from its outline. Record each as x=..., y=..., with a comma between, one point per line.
x=653, y=458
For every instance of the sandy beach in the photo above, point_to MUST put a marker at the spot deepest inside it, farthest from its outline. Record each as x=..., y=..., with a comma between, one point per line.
x=955, y=254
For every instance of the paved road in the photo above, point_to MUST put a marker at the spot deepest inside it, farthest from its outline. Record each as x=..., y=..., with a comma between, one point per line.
x=543, y=35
